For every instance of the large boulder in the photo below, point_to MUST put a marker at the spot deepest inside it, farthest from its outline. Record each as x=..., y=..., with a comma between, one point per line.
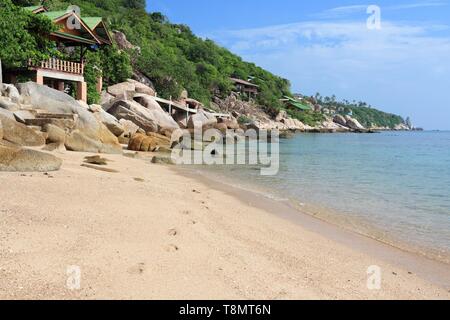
x=142, y=88
x=77, y=141
x=202, y=118
x=7, y=104
x=105, y=98
x=107, y=119
x=134, y=112
x=55, y=134
x=148, y=143
x=15, y=159
x=53, y=101
x=129, y=127
x=10, y=91
x=353, y=123
x=19, y=133
x=121, y=88
x=340, y=120
x=156, y=113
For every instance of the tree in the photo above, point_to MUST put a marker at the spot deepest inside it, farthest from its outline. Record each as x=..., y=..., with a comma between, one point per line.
x=24, y=36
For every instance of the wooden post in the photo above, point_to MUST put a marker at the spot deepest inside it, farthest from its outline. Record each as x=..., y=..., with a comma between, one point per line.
x=99, y=84
x=82, y=91
x=39, y=78
x=60, y=85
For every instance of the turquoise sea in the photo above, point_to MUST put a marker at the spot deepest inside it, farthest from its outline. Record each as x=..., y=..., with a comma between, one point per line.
x=392, y=186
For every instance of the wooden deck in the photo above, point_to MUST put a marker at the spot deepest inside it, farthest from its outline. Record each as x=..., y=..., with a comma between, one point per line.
x=54, y=64
x=176, y=105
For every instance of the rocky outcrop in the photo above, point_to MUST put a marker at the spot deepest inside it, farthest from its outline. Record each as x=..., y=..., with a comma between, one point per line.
x=23, y=160
x=401, y=127
x=353, y=123
x=142, y=78
x=52, y=101
x=1, y=130
x=123, y=43
x=19, y=133
x=339, y=119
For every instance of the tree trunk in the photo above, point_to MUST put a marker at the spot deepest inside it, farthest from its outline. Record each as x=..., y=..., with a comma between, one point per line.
x=1, y=72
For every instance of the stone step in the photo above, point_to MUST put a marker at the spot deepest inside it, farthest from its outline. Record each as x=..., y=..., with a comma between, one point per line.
x=67, y=116
x=61, y=123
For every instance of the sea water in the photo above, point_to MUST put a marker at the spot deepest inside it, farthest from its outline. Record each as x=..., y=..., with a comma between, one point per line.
x=392, y=186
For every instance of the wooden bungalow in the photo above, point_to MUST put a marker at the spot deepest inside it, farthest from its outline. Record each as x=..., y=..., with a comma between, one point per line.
x=87, y=33
x=245, y=87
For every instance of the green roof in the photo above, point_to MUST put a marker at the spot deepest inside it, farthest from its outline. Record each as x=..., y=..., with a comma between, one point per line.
x=32, y=8
x=92, y=22
x=298, y=104
x=77, y=38
x=55, y=14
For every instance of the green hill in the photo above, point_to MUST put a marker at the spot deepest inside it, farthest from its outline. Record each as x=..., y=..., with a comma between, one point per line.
x=173, y=57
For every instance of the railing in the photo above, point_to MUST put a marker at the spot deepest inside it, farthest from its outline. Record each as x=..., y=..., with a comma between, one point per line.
x=59, y=65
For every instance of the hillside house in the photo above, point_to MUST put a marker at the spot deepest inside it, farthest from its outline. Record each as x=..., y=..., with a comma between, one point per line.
x=74, y=31
x=246, y=88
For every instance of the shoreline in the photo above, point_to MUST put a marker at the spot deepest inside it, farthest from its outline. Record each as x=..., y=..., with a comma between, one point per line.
x=429, y=267
x=147, y=232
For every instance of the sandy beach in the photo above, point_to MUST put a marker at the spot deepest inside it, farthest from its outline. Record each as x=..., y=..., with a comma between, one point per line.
x=149, y=232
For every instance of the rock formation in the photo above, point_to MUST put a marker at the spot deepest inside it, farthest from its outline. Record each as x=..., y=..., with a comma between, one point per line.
x=15, y=159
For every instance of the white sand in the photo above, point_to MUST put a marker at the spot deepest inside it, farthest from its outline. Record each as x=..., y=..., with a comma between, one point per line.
x=121, y=233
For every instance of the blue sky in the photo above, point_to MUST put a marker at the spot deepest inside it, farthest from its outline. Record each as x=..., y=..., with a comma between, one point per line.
x=325, y=46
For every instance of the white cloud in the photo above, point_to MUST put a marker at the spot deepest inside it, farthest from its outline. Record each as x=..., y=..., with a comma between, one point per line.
x=425, y=4
x=346, y=11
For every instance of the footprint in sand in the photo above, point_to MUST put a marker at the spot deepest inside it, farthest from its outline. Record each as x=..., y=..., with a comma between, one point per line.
x=186, y=212
x=172, y=248
x=172, y=232
x=137, y=269
x=139, y=180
